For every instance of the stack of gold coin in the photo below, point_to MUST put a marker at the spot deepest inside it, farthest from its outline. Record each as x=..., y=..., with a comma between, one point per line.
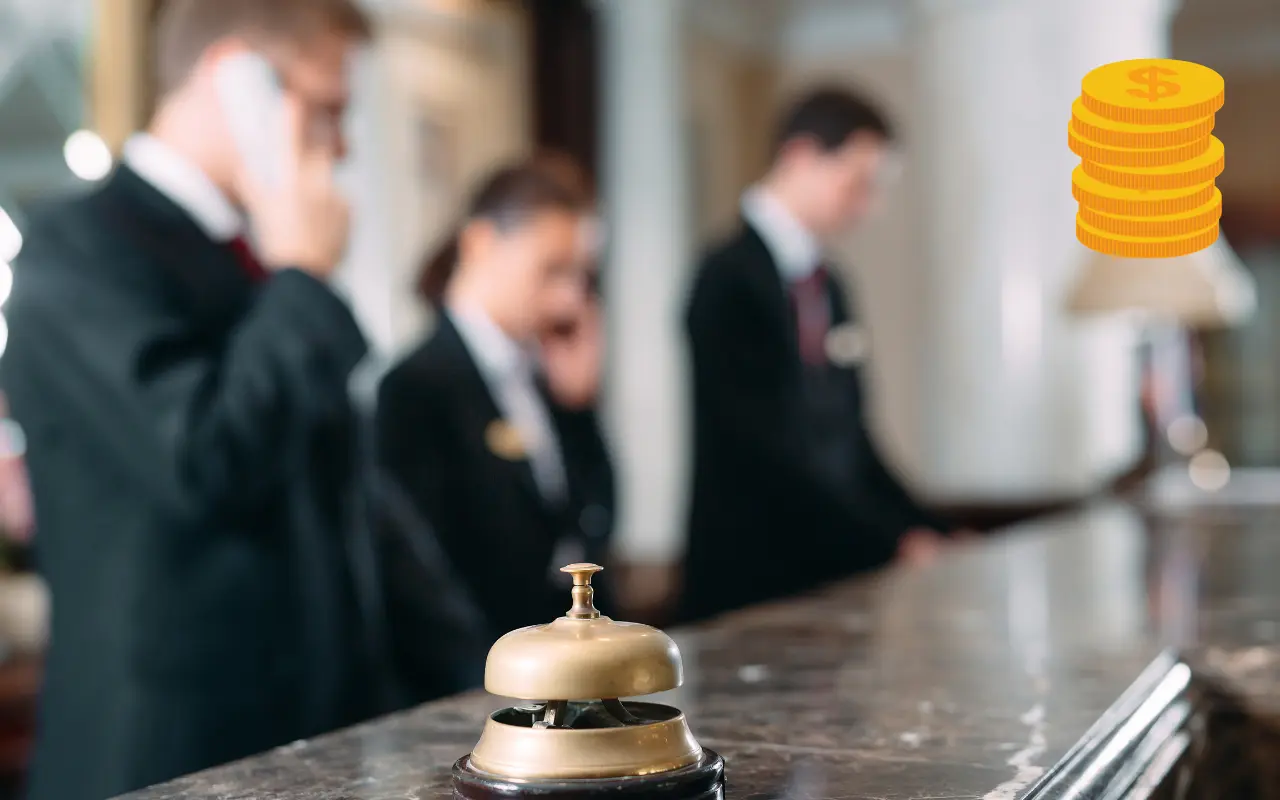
x=1143, y=130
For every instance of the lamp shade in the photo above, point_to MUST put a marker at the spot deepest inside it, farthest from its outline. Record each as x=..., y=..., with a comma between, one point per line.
x=1207, y=289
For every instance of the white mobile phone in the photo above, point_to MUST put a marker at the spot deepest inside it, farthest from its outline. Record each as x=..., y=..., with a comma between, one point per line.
x=253, y=103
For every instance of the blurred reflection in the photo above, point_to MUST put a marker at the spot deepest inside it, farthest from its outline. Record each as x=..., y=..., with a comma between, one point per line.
x=1028, y=607
x=1174, y=555
x=1114, y=537
x=807, y=779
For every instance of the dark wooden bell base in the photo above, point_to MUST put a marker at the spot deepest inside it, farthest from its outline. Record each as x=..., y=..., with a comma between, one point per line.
x=701, y=781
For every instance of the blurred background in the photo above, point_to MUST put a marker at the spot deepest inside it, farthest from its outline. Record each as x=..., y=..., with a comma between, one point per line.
x=1012, y=372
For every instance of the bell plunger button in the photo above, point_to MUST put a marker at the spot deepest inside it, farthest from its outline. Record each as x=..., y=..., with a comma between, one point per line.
x=583, y=595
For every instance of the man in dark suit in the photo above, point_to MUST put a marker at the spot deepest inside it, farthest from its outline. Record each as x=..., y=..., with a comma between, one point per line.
x=789, y=489
x=185, y=398
x=502, y=454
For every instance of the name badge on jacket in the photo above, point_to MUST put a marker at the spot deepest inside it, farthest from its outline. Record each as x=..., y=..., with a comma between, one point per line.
x=848, y=345
x=505, y=441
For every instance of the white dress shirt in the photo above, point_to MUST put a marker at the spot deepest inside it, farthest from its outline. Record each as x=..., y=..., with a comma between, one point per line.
x=174, y=176
x=509, y=371
x=798, y=253
x=795, y=250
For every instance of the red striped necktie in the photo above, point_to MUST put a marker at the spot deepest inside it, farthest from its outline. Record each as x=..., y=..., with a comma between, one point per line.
x=248, y=261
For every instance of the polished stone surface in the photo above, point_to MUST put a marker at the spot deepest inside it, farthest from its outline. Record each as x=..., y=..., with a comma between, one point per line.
x=969, y=679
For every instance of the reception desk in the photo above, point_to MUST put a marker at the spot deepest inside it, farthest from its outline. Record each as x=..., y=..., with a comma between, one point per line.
x=1114, y=652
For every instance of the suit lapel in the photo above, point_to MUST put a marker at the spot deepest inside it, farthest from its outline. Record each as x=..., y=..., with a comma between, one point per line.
x=206, y=277
x=476, y=393
x=766, y=280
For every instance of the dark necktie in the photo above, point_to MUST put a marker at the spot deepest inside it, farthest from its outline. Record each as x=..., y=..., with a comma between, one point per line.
x=813, y=316
x=248, y=261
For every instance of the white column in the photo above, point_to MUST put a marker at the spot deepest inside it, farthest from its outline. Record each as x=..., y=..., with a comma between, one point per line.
x=368, y=273
x=646, y=202
x=1023, y=402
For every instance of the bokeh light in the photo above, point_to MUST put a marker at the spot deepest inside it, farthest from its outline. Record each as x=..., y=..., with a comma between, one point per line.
x=1188, y=434
x=1209, y=471
x=10, y=237
x=87, y=155
x=6, y=281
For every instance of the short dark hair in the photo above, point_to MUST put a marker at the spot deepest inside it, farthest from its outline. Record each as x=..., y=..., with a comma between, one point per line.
x=829, y=116
x=186, y=28
x=508, y=198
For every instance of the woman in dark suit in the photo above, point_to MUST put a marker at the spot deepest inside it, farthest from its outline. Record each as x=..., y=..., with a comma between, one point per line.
x=488, y=425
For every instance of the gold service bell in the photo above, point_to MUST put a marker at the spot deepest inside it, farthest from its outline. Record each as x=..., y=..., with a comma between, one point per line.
x=573, y=734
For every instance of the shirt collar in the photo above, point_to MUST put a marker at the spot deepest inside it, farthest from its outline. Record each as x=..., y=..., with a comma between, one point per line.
x=184, y=183
x=795, y=250
x=495, y=352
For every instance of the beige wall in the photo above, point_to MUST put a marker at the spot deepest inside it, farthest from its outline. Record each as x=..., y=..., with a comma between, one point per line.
x=464, y=75
x=731, y=117
x=117, y=79
x=1249, y=126
x=1240, y=39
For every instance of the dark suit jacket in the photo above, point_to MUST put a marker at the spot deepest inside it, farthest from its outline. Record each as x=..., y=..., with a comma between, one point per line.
x=491, y=519
x=437, y=637
x=190, y=453
x=769, y=518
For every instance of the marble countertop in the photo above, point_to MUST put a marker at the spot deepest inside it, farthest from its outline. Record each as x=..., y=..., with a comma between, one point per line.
x=969, y=679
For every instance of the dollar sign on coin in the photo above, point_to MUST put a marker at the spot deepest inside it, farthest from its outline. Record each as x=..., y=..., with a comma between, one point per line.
x=1141, y=92
x=1153, y=88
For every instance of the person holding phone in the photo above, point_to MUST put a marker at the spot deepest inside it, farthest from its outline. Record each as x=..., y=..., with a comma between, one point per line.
x=180, y=364
x=488, y=425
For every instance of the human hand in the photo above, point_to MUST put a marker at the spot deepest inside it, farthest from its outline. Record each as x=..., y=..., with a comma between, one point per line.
x=573, y=359
x=302, y=220
x=920, y=547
